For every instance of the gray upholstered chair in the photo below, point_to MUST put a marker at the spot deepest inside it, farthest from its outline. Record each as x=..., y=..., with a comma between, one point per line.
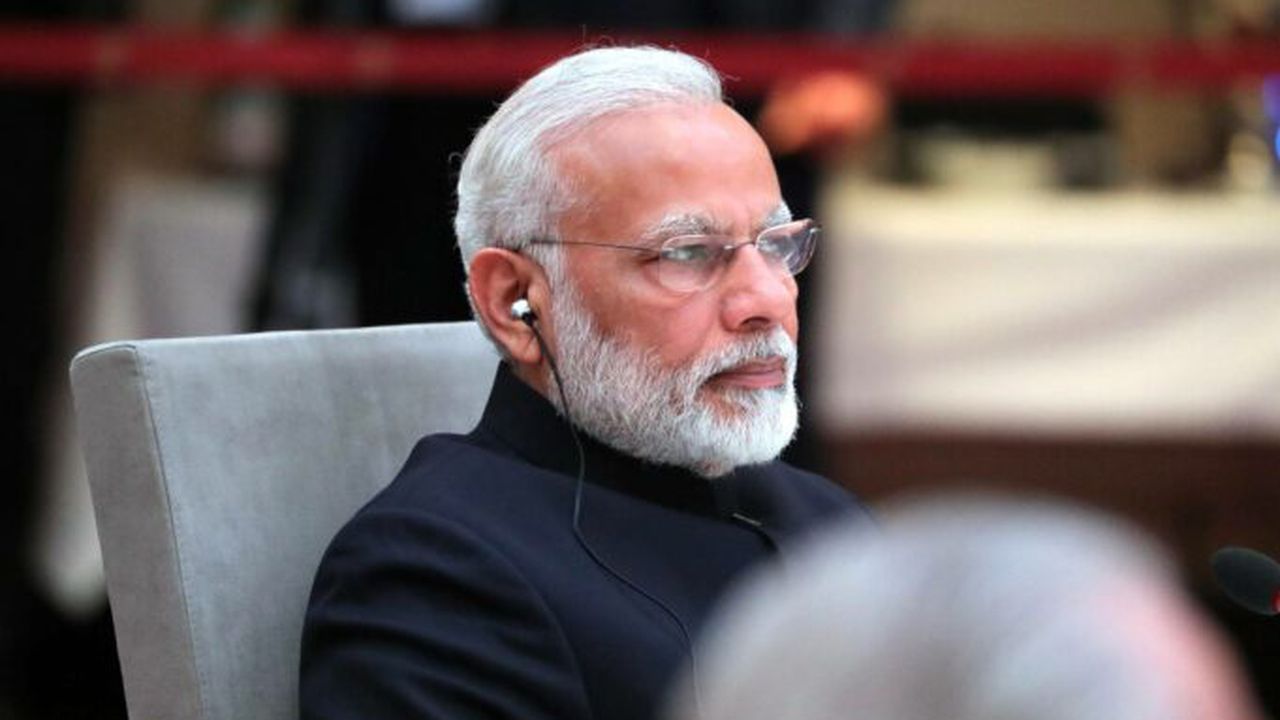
x=220, y=467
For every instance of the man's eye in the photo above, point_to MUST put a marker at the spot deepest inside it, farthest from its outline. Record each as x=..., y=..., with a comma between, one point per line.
x=779, y=246
x=688, y=254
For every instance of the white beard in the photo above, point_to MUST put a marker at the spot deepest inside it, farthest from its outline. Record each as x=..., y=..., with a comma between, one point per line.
x=622, y=396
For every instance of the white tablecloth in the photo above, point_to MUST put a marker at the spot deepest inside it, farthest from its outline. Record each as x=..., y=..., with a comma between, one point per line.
x=1050, y=313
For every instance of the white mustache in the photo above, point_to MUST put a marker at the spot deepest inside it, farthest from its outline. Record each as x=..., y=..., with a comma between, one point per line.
x=775, y=343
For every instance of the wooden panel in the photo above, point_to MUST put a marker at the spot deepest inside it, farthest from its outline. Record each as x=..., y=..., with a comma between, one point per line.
x=1195, y=495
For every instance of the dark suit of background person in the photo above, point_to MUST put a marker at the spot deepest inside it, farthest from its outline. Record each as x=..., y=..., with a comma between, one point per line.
x=461, y=591
x=51, y=665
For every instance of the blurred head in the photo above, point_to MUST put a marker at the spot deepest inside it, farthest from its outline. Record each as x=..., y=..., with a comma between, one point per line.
x=634, y=147
x=969, y=610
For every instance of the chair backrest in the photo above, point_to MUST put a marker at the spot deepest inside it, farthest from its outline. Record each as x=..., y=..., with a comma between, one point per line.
x=221, y=467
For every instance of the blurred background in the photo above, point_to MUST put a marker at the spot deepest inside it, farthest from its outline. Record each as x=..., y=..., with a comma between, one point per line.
x=1052, y=258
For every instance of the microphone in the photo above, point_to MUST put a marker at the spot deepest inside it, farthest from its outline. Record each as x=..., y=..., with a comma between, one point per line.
x=1249, y=577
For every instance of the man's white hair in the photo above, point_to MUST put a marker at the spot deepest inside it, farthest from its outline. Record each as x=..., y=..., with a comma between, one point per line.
x=508, y=191
x=964, y=609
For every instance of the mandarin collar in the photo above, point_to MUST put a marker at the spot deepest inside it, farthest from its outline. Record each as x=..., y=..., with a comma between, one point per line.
x=526, y=424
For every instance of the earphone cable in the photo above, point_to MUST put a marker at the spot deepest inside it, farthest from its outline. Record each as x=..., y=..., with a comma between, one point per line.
x=577, y=516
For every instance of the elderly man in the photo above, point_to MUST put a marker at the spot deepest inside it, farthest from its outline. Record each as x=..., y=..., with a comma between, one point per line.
x=630, y=255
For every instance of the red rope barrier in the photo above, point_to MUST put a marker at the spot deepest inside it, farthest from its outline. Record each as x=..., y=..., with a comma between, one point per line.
x=490, y=62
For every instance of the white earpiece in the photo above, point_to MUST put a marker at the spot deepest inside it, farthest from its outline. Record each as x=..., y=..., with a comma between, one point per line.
x=521, y=310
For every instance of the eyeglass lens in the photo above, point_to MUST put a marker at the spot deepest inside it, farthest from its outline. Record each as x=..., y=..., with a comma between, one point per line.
x=692, y=262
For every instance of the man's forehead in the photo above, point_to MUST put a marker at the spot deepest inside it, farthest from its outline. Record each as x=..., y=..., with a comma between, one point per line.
x=667, y=170
x=651, y=133
x=674, y=111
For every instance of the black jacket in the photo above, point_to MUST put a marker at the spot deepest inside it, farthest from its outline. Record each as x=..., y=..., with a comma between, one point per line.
x=461, y=590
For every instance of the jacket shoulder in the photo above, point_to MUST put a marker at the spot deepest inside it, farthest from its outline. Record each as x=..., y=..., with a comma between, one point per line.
x=400, y=585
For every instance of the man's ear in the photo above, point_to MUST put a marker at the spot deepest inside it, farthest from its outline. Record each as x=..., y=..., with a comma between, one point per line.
x=496, y=279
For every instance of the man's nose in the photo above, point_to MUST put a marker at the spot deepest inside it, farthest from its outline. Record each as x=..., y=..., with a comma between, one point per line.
x=758, y=294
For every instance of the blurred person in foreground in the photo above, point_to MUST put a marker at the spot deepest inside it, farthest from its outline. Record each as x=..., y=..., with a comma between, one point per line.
x=619, y=221
x=967, y=609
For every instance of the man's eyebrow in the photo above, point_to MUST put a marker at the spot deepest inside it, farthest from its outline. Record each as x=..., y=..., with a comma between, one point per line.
x=780, y=215
x=692, y=223
x=683, y=223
